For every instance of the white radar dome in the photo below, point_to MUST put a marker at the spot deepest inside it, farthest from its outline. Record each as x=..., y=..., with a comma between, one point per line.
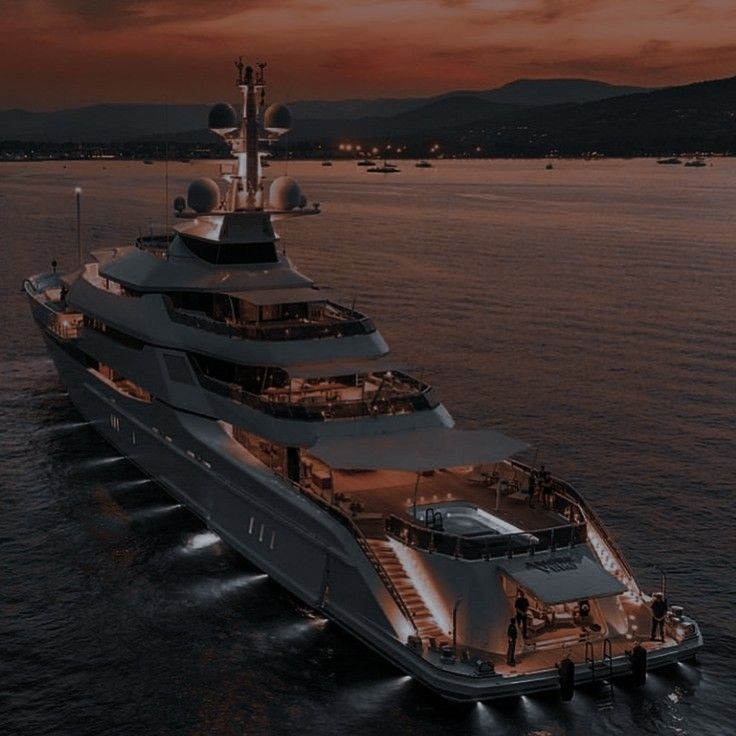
x=223, y=118
x=277, y=119
x=203, y=195
x=285, y=194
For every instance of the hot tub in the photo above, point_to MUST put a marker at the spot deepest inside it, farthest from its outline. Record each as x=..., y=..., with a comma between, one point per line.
x=464, y=519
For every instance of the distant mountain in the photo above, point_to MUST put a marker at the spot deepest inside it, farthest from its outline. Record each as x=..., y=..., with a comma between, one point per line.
x=101, y=123
x=521, y=92
x=693, y=117
x=517, y=119
x=115, y=123
x=536, y=92
x=441, y=113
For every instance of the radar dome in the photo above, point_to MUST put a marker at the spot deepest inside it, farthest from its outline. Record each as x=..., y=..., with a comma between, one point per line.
x=179, y=204
x=203, y=195
x=223, y=118
x=285, y=194
x=277, y=119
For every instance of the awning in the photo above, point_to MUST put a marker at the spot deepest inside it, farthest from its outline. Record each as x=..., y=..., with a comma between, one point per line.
x=264, y=297
x=416, y=450
x=562, y=579
x=340, y=368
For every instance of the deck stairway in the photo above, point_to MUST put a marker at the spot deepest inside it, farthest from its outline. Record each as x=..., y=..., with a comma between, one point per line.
x=427, y=627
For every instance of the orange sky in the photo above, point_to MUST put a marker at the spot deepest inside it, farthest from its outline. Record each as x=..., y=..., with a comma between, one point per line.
x=65, y=53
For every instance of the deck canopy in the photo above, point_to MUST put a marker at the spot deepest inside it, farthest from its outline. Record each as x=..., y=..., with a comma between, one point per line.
x=562, y=579
x=415, y=450
x=268, y=297
x=333, y=368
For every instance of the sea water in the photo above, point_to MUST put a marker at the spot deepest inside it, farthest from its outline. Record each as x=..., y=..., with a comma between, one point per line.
x=588, y=310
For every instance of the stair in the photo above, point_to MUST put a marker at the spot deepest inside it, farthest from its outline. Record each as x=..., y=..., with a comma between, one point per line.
x=605, y=697
x=602, y=667
x=423, y=619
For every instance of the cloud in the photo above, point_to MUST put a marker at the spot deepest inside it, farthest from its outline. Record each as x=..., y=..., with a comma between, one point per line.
x=121, y=14
x=654, y=61
x=540, y=12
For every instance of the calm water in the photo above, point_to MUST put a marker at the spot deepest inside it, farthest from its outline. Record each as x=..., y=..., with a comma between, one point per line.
x=588, y=310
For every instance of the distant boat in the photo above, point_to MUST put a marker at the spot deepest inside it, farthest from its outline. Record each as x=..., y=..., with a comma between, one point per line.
x=549, y=167
x=365, y=162
x=386, y=168
x=671, y=161
x=148, y=162
x=423, y=164
x=185, y=160
x=697, y=162
x=327, y=163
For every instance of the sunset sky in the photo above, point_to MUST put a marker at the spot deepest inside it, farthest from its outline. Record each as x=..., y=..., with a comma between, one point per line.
x=66, y=53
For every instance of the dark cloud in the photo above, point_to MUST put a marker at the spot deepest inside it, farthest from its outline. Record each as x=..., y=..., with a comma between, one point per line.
x=653, y=60
x=120, y=14
x=541, y=12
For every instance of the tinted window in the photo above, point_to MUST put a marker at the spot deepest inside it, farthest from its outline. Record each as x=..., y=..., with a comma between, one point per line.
x=232, y=253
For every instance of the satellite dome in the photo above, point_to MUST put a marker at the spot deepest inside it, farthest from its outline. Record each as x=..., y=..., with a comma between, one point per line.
x=203, y=195
x=277, y=119
x=179, y=204
x=286, y=194
x=223, y=118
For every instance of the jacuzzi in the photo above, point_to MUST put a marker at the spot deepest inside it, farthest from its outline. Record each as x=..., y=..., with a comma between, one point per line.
x=464, y=519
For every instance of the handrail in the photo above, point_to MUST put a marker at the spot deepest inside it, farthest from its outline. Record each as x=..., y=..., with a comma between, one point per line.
x=385, y=577
x=318, y=411
x=63, y=324
x=564, y=488
x=608, y=656
x=488, y=547
x=354, y=324
x=590, y=658
x=352, y=527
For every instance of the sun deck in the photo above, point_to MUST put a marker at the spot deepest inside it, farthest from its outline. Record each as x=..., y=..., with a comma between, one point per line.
x=389, y=493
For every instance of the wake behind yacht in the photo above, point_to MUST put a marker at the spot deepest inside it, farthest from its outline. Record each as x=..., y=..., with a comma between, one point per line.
x=278, y=417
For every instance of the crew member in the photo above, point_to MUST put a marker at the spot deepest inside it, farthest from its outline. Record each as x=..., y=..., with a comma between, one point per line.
x=531, y=487
x=659, y=611
x=512, y=634
x=545, y=487
x=522, y=607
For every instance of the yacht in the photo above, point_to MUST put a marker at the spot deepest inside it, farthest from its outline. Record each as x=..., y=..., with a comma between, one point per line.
x=278, y=416
x=384, y=168
x=423, y=164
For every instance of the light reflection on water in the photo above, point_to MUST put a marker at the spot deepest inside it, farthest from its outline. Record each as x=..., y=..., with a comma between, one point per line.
x=592, y=309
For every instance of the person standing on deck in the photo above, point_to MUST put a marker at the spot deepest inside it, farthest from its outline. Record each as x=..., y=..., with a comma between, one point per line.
x=531, y=486
x=545, y=488
x=512, y=634
x=521, y=604
x=659, y=611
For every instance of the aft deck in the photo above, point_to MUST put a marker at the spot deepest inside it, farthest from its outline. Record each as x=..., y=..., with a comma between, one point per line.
x=393, y=493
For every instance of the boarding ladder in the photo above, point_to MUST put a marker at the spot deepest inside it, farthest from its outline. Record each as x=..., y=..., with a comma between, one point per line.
x=601, y=671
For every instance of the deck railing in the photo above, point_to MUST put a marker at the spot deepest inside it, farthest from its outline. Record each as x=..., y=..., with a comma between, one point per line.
x=567, y=492
x=347, y=324
x=487, y=547
x=318, y=409
x=63, y=324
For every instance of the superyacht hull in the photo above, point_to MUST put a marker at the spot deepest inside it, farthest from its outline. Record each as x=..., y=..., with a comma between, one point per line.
x=301, y=547
x=278, y=416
